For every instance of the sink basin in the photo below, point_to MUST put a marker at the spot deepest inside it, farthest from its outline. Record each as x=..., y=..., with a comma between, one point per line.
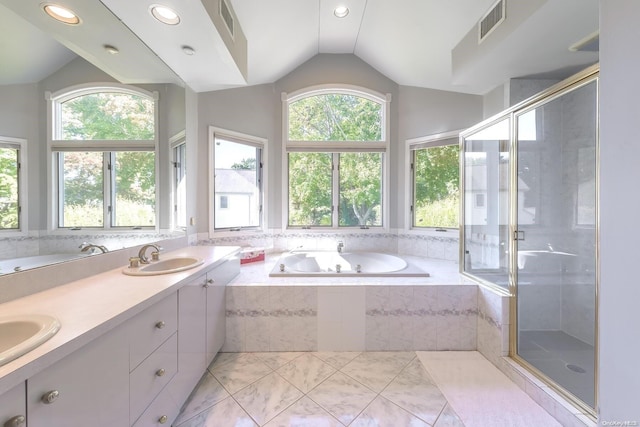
x=165, y=266
x=21, y=334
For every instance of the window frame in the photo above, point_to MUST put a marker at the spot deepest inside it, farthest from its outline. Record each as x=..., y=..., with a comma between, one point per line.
x=335, y=148
x=57, y=145
x=250, y=140
x=175, y=143
x=411, y=145
x=19, y=144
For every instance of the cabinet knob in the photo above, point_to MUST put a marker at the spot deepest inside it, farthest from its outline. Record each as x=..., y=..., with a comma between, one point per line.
x=208, y=283
x=160, y=324
x=163, y=419
x=16, y=421
x=160, y=372
x=50, y=397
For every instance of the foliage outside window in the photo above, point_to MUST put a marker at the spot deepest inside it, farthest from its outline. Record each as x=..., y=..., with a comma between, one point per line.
x=104, y=148
x=335, y=148
x=237, y=199
x=436, y=188
x=9, y=186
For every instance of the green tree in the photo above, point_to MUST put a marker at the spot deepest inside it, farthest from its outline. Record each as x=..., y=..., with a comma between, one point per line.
x=245, y=164
x=335, y=117
x=8, y=188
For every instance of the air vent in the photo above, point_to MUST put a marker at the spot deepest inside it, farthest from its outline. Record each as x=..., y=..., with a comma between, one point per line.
x=227, y=15
x=490, y=21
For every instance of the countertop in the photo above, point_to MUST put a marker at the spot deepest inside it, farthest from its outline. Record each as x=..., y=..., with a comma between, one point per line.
x=90, y=307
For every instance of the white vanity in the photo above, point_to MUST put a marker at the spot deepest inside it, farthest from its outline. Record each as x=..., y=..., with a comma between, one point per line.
x=130, y=349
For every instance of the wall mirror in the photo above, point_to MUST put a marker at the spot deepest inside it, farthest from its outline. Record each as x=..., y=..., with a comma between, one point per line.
x=34, y=63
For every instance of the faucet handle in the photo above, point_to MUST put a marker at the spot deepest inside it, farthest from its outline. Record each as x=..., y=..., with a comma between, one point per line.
x=155, y=256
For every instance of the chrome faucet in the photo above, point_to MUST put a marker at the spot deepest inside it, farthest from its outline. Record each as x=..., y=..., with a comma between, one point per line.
x=86, y=247
x=155, y=255
x=340, y=246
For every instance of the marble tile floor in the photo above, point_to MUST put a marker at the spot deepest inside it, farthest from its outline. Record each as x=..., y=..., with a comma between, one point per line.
x=328, y=389
x=372, y=389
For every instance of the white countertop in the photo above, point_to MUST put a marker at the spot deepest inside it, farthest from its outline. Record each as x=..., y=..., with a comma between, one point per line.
x=90, y=307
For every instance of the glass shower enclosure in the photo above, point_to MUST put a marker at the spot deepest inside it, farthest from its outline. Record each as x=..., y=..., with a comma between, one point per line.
x=530, y=228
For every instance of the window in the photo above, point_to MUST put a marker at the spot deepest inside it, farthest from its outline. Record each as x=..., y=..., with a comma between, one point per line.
x=179, y=181
x=435, y=189
x=237, y=168
x=104, y=160
x=11, y=184
x=336, y=158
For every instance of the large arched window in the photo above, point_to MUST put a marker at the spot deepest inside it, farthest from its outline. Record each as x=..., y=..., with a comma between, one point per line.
x=336, y=145
x=103, y=156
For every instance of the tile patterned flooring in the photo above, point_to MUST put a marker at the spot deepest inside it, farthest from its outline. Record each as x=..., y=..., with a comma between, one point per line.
x=327, y=389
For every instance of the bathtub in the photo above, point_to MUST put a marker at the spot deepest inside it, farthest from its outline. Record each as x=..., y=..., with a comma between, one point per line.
x=349, y=264
x=26, y=263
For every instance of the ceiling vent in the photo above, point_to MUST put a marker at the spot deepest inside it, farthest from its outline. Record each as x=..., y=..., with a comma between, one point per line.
x=490, y=20
x=227, y=15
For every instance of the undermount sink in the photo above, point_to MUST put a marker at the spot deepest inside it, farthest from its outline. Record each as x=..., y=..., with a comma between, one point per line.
x=165, y=266
x=21, y=334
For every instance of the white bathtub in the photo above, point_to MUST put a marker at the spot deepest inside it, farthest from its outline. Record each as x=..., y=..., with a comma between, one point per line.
x=350, y=264
x=26, y=263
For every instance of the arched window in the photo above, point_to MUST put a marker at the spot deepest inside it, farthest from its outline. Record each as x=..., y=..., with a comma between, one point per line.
x=336, y=148
x=103, y=152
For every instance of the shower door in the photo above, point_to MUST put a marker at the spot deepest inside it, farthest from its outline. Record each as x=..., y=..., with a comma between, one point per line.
x=555, y=238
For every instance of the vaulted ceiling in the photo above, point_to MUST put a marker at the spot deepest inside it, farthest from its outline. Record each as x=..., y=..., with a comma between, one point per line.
x=425, y=43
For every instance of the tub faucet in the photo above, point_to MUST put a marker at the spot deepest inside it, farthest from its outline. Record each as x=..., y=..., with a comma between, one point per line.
x=340, y=246
x=155, y=255
x=86, y=247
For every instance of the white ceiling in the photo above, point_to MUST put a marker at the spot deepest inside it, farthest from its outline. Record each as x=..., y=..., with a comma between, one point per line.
x=409, y=41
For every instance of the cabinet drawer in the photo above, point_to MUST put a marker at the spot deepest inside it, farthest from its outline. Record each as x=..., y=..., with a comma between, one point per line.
x=162, y=411
x=13, y=406
x=151, y=328
x=152, y=375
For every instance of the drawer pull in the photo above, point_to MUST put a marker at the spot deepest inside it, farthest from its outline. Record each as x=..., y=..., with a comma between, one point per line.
x=160, y=372
x=160, y=324
x=208, y=283
x=163, y=419
x=16, y=421
x=50, y=397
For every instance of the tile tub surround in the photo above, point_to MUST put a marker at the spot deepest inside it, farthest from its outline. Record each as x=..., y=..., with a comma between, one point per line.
x=351, y=313
x=428, y=243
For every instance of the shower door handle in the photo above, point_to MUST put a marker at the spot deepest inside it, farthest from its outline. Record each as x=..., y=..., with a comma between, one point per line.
x=518, y=235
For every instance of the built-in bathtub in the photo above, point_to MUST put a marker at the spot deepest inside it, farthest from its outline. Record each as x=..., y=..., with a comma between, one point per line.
x=26, y=263
x=348, y=264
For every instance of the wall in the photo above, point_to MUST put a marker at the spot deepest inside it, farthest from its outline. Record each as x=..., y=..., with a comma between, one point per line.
x=619, y=153
x=257, y=110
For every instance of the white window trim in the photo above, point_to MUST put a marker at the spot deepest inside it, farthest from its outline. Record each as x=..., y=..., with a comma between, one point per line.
x=263, y=144
x=23, y=215
x=54, y=101
x=382, y=146
x=175, y=141
x=434, y=140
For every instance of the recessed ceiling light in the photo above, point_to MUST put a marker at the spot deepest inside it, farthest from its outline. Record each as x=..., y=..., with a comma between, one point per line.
x=61, y=14
x=164, y=14
x=341, y=11
x=188, y=50
x=111, y=49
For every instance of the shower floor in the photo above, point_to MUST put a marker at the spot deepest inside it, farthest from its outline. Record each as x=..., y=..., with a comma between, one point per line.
x=567, y=360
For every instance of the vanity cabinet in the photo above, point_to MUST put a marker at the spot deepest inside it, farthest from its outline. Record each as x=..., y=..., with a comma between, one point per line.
x=13, y=409
x=90, y=387
x=216, y=324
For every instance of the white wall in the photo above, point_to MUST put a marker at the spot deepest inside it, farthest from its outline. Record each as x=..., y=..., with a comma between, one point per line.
x=619, y=293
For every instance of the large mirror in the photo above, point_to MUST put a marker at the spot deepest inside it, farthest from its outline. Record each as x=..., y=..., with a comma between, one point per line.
x=34, y=65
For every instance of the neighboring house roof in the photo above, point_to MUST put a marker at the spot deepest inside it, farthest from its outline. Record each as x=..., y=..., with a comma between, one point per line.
x=238, y=181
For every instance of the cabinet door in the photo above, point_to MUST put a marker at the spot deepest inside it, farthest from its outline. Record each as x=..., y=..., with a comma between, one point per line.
x=90, y=387
x=13, y=409
x=217, y=280
x=192, y=306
